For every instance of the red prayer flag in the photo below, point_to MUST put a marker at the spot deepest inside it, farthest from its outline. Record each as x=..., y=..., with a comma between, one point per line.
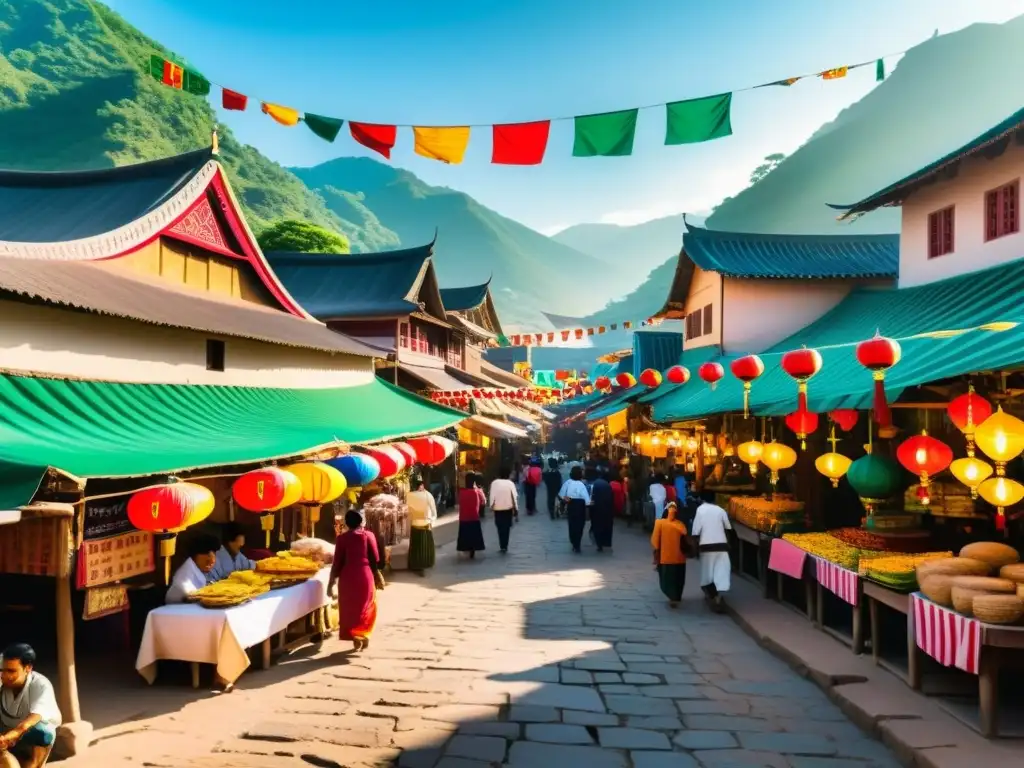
x=520, y=143
x=565, y=335
x=379, y=138
x=233, y=100
x=551, y=337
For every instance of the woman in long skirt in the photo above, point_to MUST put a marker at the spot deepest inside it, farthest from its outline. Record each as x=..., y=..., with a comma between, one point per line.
x=422, y=514
x=471, y=534
x=355, y=569
x=670, y=544
x=577, y=498
x=602, y=512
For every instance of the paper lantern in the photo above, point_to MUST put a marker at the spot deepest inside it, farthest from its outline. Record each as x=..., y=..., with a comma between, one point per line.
x=321, y=483
x=650, y=378
x=972, y=472
x=167, y=509
x=711, y=373
x=924, y=456
x=846, y=418
x=967, y=412
x=429, y=450
x=448, y=445
x=1000, y=437
x=777, y=456
x=603, y=383
x=874, y=478
x=359, y=469
x=747, y=369
x=625, y=380
x=803, y=423
x=750, y=454
x=265, y=491
x=801, y=365
x=878, y=355
x=390, y=461
x=1001, y=492
x=407, y=451
x=677, y=374
x=833, y=466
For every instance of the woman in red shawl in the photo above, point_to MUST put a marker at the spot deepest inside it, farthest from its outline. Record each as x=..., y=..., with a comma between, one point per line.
x=356, y=562
x=471, y=502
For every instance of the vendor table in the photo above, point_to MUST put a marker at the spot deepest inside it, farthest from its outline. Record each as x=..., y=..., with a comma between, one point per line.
x=747, y=535
x=846, y=585
x=965, y=643
x=787, y=559
x=877, y=595
x=220, y=636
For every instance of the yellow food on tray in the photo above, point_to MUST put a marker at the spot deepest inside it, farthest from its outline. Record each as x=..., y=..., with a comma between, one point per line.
x=251, y=578
x=287, y=564
x=228, y=592
x=898, y=563
x=826, y=547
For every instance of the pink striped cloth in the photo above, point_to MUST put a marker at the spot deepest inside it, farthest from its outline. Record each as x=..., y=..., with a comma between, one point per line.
x=841, y=582
x=787, y=559
x=949, y=638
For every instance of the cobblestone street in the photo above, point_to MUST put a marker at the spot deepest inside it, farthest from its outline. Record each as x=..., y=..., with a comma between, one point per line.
x=536, y=658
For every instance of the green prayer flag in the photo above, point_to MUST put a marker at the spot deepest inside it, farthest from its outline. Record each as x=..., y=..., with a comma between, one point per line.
x=178, y=77
x=325, y=127
x=696, y=120
x=609, y=134
x=880, y=70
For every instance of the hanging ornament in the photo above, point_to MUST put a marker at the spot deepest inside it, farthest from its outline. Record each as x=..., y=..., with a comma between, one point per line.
x=1001, y=438
x=777, y=456
x=650, y=378
x=712, y=373
x=925, y=457
x=846, y=418
x=972, y=472
x=321, y=483
x=803, y=423
x=167, y=509
x=878, y=354
x=875, y=478
x=625, y=380
x=750, y=454
x=967, y=412
x=747, y=369
x=603, y=383
x=266, y=491
x=677, y=374
x=1001, y=492
x=801, y=365
x=359, y=470
x=833, y=465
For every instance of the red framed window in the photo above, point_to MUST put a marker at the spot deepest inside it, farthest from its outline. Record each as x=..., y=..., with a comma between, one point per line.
x=1002, y=211
x=940, y=232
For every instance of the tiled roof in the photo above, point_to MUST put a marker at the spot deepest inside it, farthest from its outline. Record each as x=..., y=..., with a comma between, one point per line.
x=464, y=298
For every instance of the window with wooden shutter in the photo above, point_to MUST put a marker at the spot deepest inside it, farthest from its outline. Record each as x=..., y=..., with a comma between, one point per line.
x=697, y=330
x=940, y=232
x=1002, y=211
x=707, y=318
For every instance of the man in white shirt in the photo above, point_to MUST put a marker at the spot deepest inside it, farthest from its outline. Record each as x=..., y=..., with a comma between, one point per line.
x=229, y=556
x=710, y=524
x=504, y=503
x=658, y=496
x=191, y=575
x=29, y=714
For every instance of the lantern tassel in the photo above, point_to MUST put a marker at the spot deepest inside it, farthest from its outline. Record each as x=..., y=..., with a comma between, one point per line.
x=1001, y=521
x=801, y=397
x=746, y=400
x=882, y=413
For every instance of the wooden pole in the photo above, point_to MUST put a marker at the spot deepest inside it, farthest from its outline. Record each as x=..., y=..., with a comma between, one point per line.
x=68, y=702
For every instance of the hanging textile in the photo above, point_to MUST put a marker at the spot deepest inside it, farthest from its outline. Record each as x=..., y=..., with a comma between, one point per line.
x=379, y=138
x=605, y=135
x=232, y=100
x=520, y=143
x=177, y=77
x=326, y=128
x=696, y=120
x=283, y=115
x=445, y=144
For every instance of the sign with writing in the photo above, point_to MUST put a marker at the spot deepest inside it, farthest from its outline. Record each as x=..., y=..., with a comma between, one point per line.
x=34, y=547
x=104, y=518
x=104, y=561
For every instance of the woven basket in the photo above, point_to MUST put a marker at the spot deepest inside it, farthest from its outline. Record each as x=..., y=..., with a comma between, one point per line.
x=963, y=599
x=994, y=553
x=998, y=609
x=1020, y=591
x=1014, y=572
x=959, y=566
x=938, y=588
x=986, y=584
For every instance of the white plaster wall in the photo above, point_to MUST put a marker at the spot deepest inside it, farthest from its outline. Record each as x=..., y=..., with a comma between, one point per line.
x=966, y=192
x=55, y=341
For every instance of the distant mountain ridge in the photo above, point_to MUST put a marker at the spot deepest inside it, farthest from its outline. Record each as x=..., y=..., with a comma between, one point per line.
x=644, y=245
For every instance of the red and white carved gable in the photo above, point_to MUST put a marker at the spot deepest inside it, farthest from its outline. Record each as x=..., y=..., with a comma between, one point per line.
x=200, y=226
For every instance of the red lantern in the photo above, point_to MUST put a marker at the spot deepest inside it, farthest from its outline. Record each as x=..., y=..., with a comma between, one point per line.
x=167, y=509
x=407, y=451
x=625, y=380
x=801, y=364
x=712, y=373
x=429, y=450
x=924, y=456
x=846, y=418
x=678, y=374
x=803, y=423
x=747, y=369
x=968, y=411
x=878, y=355
x=650, y=378
x=391, y=461
x=603, y=383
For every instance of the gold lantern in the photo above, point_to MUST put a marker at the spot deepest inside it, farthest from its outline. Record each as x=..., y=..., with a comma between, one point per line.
x=777, y=456
x=321, y=483
x=1001, y=492
x=750, y=453
x=971, y=471
x=833, y=465
x=1000, y=437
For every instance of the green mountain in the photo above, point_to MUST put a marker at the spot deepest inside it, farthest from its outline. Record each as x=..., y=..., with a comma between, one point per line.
x=644, y=246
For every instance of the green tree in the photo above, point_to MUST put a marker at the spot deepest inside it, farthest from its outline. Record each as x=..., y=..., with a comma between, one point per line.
x=303, y=237
x=771, y=162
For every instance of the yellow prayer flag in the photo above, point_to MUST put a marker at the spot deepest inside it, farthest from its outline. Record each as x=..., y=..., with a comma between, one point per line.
x=445, y=144
x=283, y=115
x=834, y=74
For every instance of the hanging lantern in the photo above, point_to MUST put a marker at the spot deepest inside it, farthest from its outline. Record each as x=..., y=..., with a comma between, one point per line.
x=875, y=478
x=777, y=456
x=833, y=466
x=407, y=451
x=390, y=461
x=747, y=369
x=429, y=450
x=650, y=378
x=846, y=418
x=603, y=383
x=677, y=374
x=967, y=412
x=448, y=445
x=878, y=355
x=321, y=483
x=625, y=380
x=803, y=423
x=750, y=453
x=1001, y=492
x=1000, y=437
x=265, y=491
x=358, y=469
x=711, y=373
x=924, y=456
x=801, y=365
x=972, y=472
x=167, y=509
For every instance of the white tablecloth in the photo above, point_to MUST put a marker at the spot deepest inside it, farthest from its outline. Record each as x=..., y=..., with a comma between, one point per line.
x=219, y=636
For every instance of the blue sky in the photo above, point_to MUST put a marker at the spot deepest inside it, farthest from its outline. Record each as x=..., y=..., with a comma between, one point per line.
x=447, y=62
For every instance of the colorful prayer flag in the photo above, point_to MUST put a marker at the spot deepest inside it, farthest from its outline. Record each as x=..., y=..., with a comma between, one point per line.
x=551, y=337
x=787, y=82
x=590, y=331
x=446, y=144
x=177, y=77
x=627, y=325
x=834, y=74
x=325, y=127
x=379, y=138
x=579, y=333
x=615, y=326
x=565, y=335
x=600, y=329
x=609, y=134
x=880, y=70
x=233, y=100
x=520, y=143
x=283, y=115
x=539, y=338
x=696, y=120
x=515, y=340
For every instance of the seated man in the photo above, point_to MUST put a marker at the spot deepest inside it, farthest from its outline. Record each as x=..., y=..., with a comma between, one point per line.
x=29, y=715
x=229, y=556
x=191, y=575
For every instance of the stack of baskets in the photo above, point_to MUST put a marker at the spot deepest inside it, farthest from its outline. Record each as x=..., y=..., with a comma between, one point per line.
x=966, y=584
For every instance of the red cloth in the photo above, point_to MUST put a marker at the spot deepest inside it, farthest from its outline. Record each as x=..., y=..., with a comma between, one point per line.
x=469, y=505
x=618, y=497
x=357, y=592
x=520, y=143
x=533, y=475
x=233, y=100
x=379, y=138
x=670, y=493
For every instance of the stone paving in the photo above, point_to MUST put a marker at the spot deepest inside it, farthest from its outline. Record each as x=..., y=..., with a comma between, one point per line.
x=535, y=658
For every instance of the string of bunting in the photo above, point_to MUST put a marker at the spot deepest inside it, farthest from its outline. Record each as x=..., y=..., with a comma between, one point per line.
x=575, y=334
x=606, y=134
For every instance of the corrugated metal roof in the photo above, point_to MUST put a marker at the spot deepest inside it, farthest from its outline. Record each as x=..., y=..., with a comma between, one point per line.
x=737, y=254
x=949, y=328
x=438, y=378
x=464, y=298
x=107, y=291
x=656, y=349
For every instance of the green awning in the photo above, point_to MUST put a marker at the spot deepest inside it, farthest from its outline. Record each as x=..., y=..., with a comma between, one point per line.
x=948, y=328
x=615, y=403
x=103, y=429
